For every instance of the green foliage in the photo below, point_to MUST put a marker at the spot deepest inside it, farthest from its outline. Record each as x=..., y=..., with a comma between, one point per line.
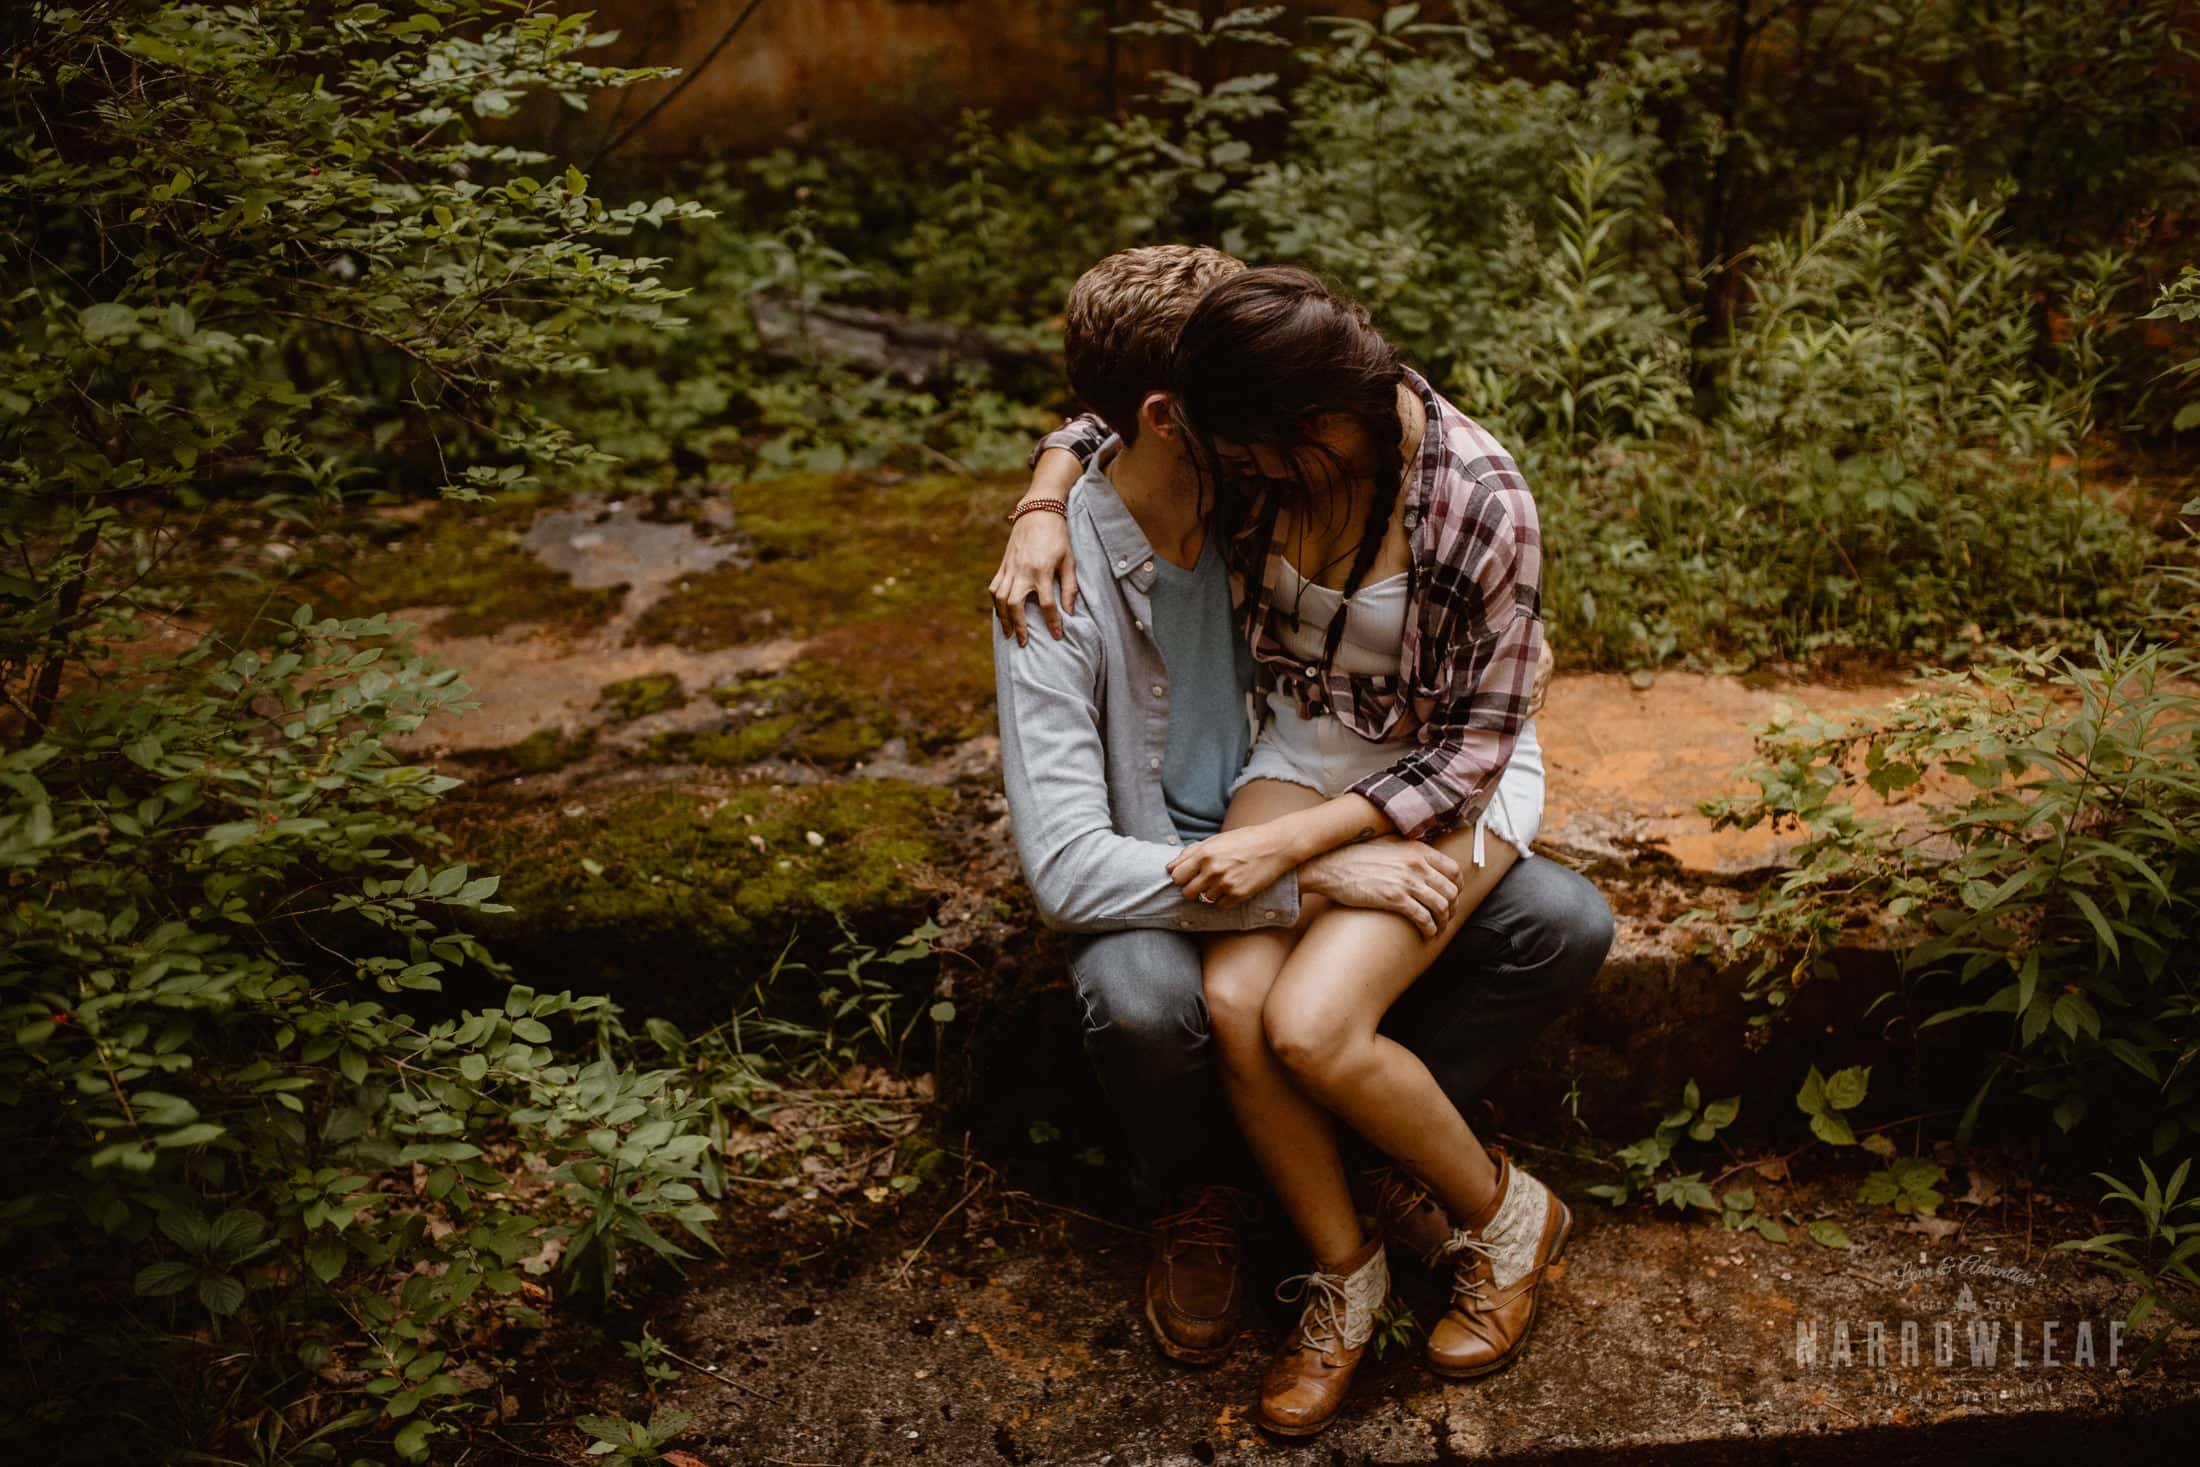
x=1906, y=1184
x=1867, y=414
x=190, y=316
x=275, y=1189
x=634, y=1441
x=2031, y=831
x=1172, y=162
x=801, y=1023
x=1645, y=1160
x=230, y=1066
x=1824, y=1101
x=2159, y=1257
x=1650, y=1169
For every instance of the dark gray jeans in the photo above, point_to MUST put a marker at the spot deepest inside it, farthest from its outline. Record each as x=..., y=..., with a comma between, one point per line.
x=1529, y=951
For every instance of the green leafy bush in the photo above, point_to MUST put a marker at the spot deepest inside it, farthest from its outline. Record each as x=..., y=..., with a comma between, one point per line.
x=233, y=1077
x=274, y=1191
x=2031, y=831
x=1874, y=423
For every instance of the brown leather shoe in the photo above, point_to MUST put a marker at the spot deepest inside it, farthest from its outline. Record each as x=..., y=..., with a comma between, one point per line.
x=1410, y=1218
x=1195, y=1297
x=1502, y=1256
x=1307, y=1379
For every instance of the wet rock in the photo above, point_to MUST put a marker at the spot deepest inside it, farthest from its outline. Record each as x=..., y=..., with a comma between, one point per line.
x=912, y=351
x=1665, y=1341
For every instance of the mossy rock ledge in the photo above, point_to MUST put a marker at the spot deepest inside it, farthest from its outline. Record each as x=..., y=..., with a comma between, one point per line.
x=676, y=897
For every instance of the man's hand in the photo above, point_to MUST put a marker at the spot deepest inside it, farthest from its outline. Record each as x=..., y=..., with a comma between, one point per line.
x=1389, y=874
x=1236, y=865
x=1038, y=553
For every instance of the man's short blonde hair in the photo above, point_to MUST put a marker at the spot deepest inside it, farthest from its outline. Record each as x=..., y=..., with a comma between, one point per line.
x=1123, y=317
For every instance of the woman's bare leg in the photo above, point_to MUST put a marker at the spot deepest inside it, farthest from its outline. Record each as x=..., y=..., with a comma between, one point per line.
x=1292, y=1138
x=1338, y=980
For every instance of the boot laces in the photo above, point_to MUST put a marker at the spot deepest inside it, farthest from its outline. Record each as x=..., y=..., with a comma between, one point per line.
x=1340, y=1308
x=1209, y=1220
x=1397, y=1191
x=1326, y=1307
x=1471, y=1257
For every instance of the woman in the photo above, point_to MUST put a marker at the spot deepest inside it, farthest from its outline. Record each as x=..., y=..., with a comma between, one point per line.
x=1390, y=558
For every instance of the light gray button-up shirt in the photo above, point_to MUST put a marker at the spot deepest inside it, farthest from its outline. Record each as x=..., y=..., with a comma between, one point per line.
x=1084, y=725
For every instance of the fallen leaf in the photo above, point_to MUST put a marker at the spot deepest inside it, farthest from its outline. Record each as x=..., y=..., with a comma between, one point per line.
x=682, y=1459
x=1935, y=1228
x=1985, y=1189
x=1772, y=1168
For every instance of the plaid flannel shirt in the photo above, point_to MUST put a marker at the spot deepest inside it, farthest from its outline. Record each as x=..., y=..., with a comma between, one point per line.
x=1474, y=625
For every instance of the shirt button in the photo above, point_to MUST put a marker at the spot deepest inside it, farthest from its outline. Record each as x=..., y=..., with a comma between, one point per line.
x=1172, y=838
x=1122, y=565
x=1159, y=689
x=1147, y=566
x=1183, y=921
x=1271, y=914
x=1312, y=670
x=1153, y=763
x=1141, y=626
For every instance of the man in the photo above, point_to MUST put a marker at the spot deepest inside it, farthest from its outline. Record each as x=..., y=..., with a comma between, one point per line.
x=1120, y=735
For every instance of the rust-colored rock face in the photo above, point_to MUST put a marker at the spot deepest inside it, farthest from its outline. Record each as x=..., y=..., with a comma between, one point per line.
x=849, y=63
x=870, y=67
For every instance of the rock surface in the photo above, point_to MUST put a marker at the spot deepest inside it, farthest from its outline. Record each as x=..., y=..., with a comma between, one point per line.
x=1666, y=1341
x=776, y=759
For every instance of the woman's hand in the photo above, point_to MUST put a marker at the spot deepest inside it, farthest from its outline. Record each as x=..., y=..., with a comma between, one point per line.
x=1038, y=553
x=1236, y=865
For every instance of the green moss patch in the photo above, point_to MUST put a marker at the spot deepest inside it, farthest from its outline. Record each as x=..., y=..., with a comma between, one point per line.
x=463, y=558
x=670, y=881
x=828, y=551
x=887, y=581
x=545, y=751
x=468, y=559
x=927, y=682
x=637, y=697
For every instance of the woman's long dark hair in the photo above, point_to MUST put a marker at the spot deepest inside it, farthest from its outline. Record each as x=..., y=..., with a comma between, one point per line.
x=1264, y=354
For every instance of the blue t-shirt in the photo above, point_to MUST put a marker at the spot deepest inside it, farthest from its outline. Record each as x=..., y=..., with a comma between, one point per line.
x=1210, y=673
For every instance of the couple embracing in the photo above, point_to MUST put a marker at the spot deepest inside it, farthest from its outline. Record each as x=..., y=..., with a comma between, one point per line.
x=1272, y=760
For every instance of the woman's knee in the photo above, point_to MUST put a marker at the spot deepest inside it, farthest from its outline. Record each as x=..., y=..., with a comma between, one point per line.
x=1236, y=991
x=1322, y=1048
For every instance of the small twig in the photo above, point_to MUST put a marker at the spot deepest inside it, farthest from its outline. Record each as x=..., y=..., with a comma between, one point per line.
x=901, y=1275
x=1074, y=1212
x=712, y=1372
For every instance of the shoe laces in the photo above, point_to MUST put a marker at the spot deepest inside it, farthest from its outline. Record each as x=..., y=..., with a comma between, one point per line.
x=1325, y=1304
x=1397, y=1191
x=1470, y=1257
x=1336, y=1302
x=1209, y=1220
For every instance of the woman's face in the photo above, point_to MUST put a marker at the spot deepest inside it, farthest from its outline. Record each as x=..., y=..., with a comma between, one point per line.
x=1333, y=441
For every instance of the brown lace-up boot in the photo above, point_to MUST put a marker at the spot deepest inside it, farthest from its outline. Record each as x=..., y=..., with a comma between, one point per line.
x=1307, y=1379
x=1409, y=1217
x=1501, y=1257
x=1195, y=1298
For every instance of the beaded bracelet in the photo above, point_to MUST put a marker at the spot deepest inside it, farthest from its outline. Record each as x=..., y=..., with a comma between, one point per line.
x=1060, y=507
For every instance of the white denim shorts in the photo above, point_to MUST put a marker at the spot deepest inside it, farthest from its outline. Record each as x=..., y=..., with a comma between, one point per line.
x=1322, y=755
